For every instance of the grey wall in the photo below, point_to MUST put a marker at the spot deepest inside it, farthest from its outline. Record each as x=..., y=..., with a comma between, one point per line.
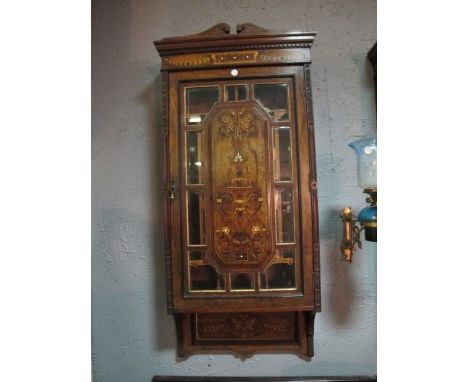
x=133, y=337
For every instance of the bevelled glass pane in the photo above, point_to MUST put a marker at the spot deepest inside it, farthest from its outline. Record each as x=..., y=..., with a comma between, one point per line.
x=281, y=273
x=282, y=153
x=236, y=93
x=196, y=217
x=199, y=101
x=203, y=277
x=242, y=281
x=284, y=214
x=195, y=255
x=195, y=154
x=274, y=99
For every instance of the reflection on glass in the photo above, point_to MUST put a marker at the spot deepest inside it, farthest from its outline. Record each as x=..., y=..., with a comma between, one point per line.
x=284, y=214
x=194, y=157
x=203, y=277
x=274, y=98
x=195, y=255
x=199, y=101
x=281, y=273
x=242, y=281
x=196, y=217
x=235, y=93
x=282, y=153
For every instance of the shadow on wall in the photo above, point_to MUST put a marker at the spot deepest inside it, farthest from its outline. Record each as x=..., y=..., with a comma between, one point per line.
x=340, y=282
x=151, y=98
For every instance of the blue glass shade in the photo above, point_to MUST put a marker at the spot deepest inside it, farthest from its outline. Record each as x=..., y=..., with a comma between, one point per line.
x=366, y=152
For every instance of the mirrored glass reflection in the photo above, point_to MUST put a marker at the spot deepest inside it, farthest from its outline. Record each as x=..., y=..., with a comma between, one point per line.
x=203, y=277
x=235, y=93
x=282, y=154
x=199, y=101
x=196, y=217
x=194, y=149
x=284, y=214
x=274, y=99
x=281, y=273
x=242, y=281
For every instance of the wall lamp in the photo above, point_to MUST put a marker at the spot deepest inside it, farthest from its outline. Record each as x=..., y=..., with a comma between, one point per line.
x=366, y=152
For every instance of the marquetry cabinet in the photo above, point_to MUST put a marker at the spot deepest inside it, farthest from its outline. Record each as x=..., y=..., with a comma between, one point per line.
x=242, y=243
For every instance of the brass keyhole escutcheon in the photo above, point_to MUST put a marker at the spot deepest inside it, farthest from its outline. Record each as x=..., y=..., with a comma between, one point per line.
x=172, y=191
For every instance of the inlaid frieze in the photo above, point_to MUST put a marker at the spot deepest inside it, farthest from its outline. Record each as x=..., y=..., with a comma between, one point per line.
x=245, y=326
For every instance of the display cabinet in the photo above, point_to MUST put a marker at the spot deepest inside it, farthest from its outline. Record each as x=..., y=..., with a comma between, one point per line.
x=242, y=243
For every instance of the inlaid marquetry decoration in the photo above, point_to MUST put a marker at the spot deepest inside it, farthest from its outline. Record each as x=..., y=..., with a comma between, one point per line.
x=239, y=134
x=245, y=326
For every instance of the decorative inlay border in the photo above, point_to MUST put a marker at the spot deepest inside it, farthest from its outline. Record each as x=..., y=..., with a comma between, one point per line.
x=238, y=57
x=187, y=61
x=273, y=58
x=244, y=57
x=211, y=59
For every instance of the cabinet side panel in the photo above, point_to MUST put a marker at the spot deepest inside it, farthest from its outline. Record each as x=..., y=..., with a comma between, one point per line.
x=174, y=201
x=167, y=206
x=313, y=190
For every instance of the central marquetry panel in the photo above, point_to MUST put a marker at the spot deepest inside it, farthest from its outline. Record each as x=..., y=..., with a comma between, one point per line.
x=241, y=232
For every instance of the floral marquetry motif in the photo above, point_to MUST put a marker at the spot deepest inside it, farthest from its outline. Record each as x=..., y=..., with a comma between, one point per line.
x=242, y=245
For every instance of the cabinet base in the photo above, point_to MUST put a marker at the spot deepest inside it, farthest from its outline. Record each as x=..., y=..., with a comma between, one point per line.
x=245, y=333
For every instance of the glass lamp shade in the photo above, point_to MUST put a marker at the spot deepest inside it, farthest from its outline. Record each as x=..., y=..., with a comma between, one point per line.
x=366, y=151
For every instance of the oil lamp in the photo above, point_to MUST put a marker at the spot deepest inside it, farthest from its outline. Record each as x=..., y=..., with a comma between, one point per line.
x=366, y=152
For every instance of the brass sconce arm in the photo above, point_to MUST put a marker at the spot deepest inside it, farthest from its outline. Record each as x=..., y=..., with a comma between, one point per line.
x=351, y=233
x=352, y=225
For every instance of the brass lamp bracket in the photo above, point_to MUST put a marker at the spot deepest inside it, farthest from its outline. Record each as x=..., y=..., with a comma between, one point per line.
x=352, y=228
x=351, y=233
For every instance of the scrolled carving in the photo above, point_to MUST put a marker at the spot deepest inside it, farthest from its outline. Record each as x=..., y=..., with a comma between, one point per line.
x=250, y=28
x=221, y=29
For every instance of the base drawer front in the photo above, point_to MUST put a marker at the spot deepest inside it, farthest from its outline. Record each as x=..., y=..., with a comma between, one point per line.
x=245, y=327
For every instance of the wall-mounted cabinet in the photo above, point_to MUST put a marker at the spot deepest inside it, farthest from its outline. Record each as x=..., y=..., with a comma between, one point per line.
x=242, y=246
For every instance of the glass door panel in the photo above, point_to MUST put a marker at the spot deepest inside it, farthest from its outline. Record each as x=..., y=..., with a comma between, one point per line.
x=284, y=214
x=195, y=157
x=239, y=158
x=281, y=273
x=199, y=101
x=274, y=98
x=282, y=154
x=196, y=217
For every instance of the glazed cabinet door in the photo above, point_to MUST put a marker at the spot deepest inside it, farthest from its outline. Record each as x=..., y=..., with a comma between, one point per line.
x=241, y=219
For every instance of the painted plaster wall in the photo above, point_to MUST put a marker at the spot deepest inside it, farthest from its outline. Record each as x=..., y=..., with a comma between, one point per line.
x=133, y=337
